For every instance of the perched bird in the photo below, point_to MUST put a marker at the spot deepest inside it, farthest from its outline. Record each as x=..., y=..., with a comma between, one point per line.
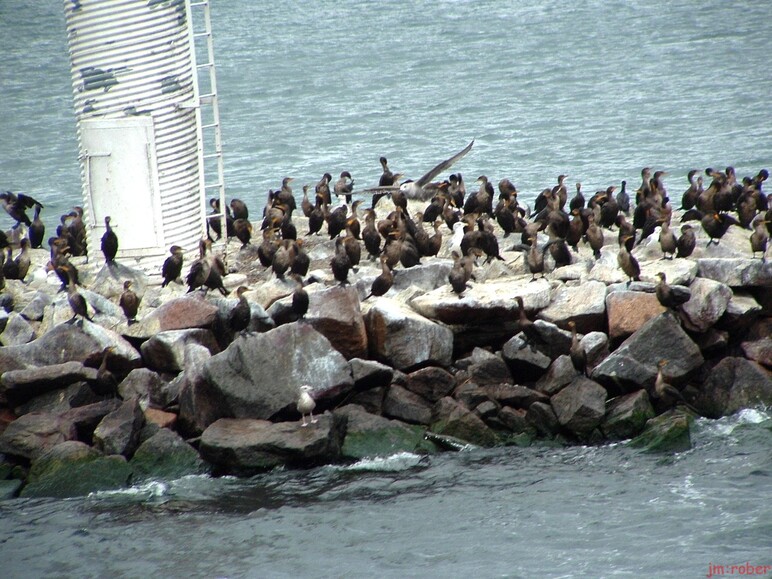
x=306, y=404
x=239, y=209
x=760, y=238
x=172, y=267
x=526, y=326
x=344, y=186
x=37, y=229
x=594, y=236
x=628, y=263
x=383, y=282
x=667, y=241
x=129, y=302
x=687, y=242
x=667, y=394
x=241, y=314
x=75, y=298
x=340, y=263
x=109, y=242
x=22, y=261
x=300, y=301
x=460, y=273
x=534, y=255
x=716, y=225
x=667, y=296
x=242, y=229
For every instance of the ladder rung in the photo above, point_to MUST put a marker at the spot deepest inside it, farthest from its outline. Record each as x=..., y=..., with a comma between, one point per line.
x=213, y=155
x=205, y=65
x=196, y=4
x=210, y=126
x=213, y=185
x=201, y=34
x=207, y=98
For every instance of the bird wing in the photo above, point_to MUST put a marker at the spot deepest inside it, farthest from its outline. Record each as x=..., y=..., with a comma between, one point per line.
x=27, y=201
x=446, y=164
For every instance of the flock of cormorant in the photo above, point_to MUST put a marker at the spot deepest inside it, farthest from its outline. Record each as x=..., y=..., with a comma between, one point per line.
x=399, y=238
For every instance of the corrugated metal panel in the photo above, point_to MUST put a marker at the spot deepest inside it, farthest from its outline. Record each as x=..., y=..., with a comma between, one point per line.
x=134, y=58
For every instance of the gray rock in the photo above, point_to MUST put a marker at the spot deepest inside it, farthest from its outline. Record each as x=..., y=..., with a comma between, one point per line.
x=487, y=410
x=147, y=386
x=668, y=432
x=627, y=415
x=706, y=306
x=18, y=386
x=199, y=401
x=165, y=351
x=483, y=302
x=427, y=276
x=17, y=331
x=452, y=419
x=370, y=374
x=488, y=368
x=560, y=373
x=541, y=417
x=514, y=395
x=335, y=313
x=35, y=309
x=634, y=364
x=189, y=311
x=118, y=432
x=86, y=418
x=712, y=342
x=585, y=305
x=741, y=312
x=165, y=455
x=29, y=436
x=403, y=339
x=67, y=343
x=736, y=272
x=759, y=351
x=406, y=406
x=260, y=375
x=72, y=469
x=368, y=435
x=58, y=401
x=580, y=406
x=555, y=342
x=734, y=384
x=596, y=347
x=371, y=400
x=243, y=446
x=431, y=383
x=514, y=419
x=526, y=364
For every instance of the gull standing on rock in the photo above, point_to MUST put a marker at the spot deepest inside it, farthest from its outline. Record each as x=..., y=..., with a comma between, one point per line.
x=306, y=404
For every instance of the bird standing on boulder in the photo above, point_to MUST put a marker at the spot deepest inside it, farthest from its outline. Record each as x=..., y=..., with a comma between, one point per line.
x=306, y=404
x=109, y=242
x=628, y=263
x=760, y=238
x=75, y=298
x=129, y=302
x=241, y=314
x=668, y=297
x=577, y=353
x=172, y=267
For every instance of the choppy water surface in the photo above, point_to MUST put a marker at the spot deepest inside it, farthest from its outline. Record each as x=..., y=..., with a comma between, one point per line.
x=596, y=90
x=508, y=512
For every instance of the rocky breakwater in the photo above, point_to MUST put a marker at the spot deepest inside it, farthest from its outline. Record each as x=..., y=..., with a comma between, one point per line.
x=89, y=405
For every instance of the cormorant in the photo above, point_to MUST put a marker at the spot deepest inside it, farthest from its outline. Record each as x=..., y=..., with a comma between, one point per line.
x=628, y=263
x=129, y=302
x=109, y=242
x=172, y=267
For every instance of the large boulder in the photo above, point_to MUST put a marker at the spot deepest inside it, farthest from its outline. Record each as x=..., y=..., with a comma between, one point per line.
x=406, y=406
x=668, y=432
x=200, y=404
x=59, y=401
x=336, y=314
x=736, y=272
x=541, y=417
x=635, y=363
x=493, y=300
x=627, y=415
x=628, y=311
x=118, y=432
x=69, y=343
x=560, y=373
x=29, y=436
x=734, y=384
x=584, y=304
x=148, y=386
x=182, y=313
x=403, y=339
x=73, y=469
x=17, y=331
x=87, y=418
x=514, y=395
x=20, y=385
x=368, y=435
x=759, y=351
x=707, y=304
x=451, y=418
x=487, y=368
x=165, y=351
x=431, y=383
x=526, y=363
x=244, y=446
x=580, y=406
x=370, y=374
x=259, y=376
x=165, y=455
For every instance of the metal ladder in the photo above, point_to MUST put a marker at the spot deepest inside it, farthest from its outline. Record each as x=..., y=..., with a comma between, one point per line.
x=208, y=127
